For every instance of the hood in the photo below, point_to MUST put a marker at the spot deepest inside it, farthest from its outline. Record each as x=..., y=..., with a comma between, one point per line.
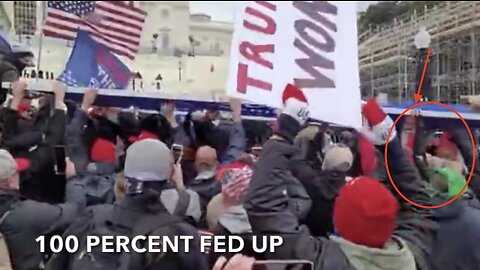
x=455, y=181
x=454, y=209
x=396, y=255
x=235, y=220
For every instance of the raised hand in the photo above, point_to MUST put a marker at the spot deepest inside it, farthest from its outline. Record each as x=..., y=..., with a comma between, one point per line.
x=89, y=98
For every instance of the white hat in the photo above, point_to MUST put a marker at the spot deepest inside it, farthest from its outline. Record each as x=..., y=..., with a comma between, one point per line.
x=9, y=166
x=295, y=104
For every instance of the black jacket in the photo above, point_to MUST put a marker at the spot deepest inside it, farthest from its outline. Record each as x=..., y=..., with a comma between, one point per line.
x=99, y=181
x=456, y=243
x=24, y=220
x=322, y=187
x=461, y=139
x=98, y=177
x=40, y=181
x=128, y=212
x=8, y=71
x=268, y=210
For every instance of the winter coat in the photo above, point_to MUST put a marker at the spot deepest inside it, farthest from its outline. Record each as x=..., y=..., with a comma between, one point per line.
x=24, y=220
x=39, y=182
x=234, y=221
x=125, y=214
x=458, y=237
x=269, y=213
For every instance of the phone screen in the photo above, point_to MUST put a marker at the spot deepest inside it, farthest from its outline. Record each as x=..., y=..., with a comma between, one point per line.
x=60, y=156
x=283, y=265
x=177, y=151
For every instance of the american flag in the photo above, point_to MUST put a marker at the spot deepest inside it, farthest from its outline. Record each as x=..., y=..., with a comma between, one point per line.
x=116, y=24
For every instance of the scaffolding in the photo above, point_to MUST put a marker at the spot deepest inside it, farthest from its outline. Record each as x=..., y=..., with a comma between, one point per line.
x=388, y=57
x=25, y=17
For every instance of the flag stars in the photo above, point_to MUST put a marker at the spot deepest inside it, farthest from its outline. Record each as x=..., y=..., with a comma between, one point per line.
x=78, y=8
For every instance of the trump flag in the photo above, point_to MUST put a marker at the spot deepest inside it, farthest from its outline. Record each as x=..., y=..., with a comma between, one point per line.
x=93, y=65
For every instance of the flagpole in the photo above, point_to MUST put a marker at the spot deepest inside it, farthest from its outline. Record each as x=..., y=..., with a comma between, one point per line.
x=40, y=17
x=39, y=59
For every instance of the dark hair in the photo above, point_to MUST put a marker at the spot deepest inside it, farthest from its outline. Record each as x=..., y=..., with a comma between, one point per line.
x=158, y=125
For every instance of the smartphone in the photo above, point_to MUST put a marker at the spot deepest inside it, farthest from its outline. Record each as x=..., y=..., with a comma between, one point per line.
x=283, y=265
x=177, y=151
x=60, y=156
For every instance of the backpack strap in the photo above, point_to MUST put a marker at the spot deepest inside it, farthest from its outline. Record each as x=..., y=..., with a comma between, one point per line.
x=182, y=204
x=144, y=225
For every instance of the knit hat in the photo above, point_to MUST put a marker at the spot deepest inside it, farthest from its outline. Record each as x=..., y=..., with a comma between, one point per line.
x=445, y=147
x=149, y=160
x=235, y=179
x=9, y=166
x=142, y=136
x=102, y=151
x=365, y=212
x=379, y=123
x=337, y=158
x=295, y=104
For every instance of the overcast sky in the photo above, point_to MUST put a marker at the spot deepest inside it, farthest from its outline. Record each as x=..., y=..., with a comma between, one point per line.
x=224, y=11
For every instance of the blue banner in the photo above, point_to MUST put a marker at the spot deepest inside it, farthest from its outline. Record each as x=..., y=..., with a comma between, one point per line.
x=93, y=65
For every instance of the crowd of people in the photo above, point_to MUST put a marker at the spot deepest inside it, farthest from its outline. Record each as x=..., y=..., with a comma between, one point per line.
x=324, y=189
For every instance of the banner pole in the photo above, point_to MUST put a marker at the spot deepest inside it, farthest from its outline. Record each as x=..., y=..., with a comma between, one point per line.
x=39, y=59
x=40, y=12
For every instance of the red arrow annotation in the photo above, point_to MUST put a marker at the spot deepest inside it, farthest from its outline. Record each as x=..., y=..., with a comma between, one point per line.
x=417, y=95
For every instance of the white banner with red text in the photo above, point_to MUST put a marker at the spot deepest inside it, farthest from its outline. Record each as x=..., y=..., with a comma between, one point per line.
x=312, y=44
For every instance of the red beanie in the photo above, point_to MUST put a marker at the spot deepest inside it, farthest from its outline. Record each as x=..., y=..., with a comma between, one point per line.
x=103, y=151
x=365, y=212
x=142, y=136
x=379, y=122
x=373, y=112
x=295, y=103
x=445, y=145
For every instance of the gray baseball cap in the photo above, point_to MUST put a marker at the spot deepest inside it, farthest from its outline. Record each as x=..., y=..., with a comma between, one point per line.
x=339, y=158
x=149, y=160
